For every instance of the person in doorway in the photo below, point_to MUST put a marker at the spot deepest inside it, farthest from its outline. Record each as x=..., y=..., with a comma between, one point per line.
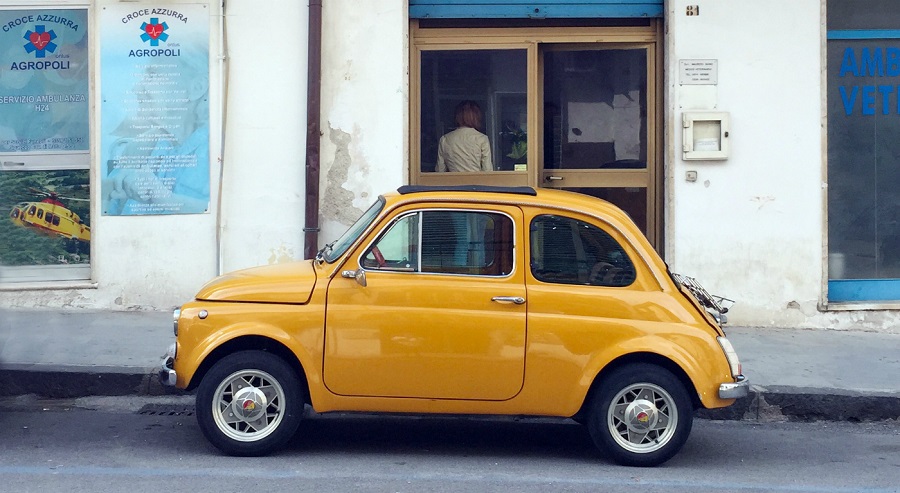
x=466, y=148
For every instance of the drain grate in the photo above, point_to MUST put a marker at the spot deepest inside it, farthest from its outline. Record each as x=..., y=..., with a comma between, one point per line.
x=167, y=410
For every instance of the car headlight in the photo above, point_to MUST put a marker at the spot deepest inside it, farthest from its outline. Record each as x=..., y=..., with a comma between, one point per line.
x=176, y=314
x=731, y=355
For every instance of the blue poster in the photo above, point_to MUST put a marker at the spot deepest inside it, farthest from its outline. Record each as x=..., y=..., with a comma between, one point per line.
x=43, y=81
x=154, y=143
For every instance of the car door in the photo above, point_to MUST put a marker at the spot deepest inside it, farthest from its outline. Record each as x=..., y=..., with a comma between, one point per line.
x=442, y=311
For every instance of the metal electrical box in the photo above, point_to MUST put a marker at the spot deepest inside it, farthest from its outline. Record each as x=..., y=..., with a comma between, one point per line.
x=705, y=135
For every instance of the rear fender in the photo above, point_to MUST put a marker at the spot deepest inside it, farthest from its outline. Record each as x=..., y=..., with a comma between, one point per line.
x=702, y=380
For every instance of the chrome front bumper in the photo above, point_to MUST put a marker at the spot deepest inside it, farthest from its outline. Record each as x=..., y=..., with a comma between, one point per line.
x=735, y=390
x=167, y=375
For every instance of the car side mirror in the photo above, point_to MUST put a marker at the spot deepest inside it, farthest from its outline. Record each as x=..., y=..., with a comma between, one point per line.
x=358, y=274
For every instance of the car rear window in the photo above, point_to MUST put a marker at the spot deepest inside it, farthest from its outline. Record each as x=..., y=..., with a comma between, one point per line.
x=569, y=251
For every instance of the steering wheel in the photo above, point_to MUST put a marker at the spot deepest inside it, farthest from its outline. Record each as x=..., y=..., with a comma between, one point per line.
x=602, y=273
x=379, y=258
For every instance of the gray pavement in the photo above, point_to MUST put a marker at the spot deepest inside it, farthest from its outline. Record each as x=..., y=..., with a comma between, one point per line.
x=797, y=374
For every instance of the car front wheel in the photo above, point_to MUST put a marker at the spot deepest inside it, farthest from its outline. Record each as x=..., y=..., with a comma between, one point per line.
x=641, y=415
x=249, y=403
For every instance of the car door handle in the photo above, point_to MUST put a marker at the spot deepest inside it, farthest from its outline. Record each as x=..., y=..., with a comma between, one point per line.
x=509, y=299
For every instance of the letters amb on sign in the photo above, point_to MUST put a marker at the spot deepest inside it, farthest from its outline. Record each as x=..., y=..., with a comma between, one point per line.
x=870, y=98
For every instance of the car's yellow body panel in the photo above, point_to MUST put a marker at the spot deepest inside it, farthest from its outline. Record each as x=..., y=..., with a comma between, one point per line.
x=436, y=343
x=281, y=283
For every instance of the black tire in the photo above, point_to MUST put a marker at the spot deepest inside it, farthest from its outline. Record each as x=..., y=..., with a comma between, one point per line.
x=641, y=415
x=250, y=403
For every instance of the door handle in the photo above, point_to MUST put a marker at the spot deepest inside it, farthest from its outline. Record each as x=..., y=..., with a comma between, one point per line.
x=553, y=178
x=509, y=299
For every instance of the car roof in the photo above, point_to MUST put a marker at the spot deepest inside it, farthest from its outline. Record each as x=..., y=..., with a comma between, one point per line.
x=407, y=189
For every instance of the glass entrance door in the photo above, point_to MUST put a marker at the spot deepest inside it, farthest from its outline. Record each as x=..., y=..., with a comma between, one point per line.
x=596, y=130
x=544, y=107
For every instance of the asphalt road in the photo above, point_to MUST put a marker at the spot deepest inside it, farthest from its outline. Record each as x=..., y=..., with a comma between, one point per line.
x=108, y=444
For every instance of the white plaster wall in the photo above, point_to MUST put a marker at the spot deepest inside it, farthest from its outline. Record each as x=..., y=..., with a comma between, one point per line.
x=751, y=228
x=365, y=101
x=265, y=132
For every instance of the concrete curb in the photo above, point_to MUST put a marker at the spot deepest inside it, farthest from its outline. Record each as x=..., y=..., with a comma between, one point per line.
x=809, y=404
x=764, y=404
x=66, y=382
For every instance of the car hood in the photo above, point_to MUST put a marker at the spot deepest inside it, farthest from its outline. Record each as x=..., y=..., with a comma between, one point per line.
x=281, y=283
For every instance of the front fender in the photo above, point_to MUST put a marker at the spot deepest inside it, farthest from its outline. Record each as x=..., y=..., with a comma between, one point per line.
x=199, y=338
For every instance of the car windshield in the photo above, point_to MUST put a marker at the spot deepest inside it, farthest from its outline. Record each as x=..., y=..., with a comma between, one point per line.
x=334, y=250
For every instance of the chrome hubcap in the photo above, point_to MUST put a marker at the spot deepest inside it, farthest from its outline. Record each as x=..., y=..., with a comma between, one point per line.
x=642, y=418
x=248, y=405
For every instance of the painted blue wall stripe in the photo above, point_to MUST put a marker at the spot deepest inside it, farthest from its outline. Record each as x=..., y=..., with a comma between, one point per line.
x=865, y=34
x=864, y=290
x=472, y=9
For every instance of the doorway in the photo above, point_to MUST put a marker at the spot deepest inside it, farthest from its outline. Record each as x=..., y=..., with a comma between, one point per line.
x=595, y=126
x=572, y=108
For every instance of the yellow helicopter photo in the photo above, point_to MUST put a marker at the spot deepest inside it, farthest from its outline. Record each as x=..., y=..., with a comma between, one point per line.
x=50, y=216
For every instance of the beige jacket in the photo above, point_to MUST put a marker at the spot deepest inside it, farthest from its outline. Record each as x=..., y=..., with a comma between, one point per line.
x=464, y=149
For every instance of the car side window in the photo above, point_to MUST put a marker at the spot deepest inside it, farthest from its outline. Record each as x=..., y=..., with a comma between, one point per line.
x=398, y=248
x=569, y=251
x=446, y=242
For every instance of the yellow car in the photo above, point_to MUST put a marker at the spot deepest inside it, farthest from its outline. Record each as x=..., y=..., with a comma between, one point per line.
x=462, y=300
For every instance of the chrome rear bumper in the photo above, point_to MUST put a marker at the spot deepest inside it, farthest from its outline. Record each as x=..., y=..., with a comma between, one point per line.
x=735, y=390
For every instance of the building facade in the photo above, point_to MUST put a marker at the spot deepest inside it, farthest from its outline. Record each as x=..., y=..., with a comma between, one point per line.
x=750, y=141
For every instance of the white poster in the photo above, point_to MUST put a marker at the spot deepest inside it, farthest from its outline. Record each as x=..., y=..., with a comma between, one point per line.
x=155, y=109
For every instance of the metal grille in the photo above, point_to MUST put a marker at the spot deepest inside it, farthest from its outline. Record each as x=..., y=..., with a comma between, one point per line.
x=167, y=410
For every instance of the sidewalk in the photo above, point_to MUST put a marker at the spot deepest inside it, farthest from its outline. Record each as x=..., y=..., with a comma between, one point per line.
x=795, y=374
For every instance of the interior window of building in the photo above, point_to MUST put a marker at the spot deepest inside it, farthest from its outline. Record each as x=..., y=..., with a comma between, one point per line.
x=45, y=144
x=595, y=109
x=473, y=110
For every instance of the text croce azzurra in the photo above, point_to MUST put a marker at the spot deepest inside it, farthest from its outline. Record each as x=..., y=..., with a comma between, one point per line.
x=44, y=18
x=143, y=13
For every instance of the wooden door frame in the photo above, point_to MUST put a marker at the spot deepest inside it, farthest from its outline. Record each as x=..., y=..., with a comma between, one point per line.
x=529, y=39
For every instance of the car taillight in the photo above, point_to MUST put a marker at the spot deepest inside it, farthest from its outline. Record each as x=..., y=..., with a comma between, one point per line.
x=731, y=355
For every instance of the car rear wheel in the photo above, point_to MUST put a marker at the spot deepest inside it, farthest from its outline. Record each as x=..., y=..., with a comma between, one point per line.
x=249, y=403
x=641, y=415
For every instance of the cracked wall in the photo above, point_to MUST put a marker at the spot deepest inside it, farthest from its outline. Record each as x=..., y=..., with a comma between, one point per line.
x=365, y=91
